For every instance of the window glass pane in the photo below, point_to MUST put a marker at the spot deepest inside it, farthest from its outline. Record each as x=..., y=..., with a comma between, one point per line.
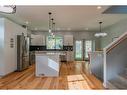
x=59, y=42
x=78, y=51
x=50, y=42
x=54, y=42
x=88, y=47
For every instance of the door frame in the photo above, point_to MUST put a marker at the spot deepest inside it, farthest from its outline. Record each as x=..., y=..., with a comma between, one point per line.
x=83, y=48
x=75, y=51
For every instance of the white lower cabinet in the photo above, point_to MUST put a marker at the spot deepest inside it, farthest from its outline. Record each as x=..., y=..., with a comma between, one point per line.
x=70, y=56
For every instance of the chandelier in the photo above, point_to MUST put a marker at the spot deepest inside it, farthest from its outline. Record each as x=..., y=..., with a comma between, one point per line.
x=9, y=9
x=100, y=34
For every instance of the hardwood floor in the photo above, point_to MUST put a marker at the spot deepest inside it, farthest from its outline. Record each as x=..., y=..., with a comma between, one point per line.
x=73, y=75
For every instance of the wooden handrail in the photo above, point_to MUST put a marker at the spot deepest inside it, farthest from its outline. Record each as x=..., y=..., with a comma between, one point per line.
x=116, y=43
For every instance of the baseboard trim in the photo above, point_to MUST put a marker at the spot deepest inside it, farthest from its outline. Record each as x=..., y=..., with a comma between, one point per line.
x=108, y=85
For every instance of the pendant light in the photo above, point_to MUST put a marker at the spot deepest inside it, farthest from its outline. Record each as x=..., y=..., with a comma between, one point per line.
x=9, y=9
x=100, y=34
x=52, y=26
x=54, y=29
x=50, y=22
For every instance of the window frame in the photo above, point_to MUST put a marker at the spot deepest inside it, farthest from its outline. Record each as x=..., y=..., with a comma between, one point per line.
x=55, y=38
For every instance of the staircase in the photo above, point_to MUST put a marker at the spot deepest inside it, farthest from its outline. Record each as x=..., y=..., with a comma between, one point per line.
x=114, y=63
x=120, y=82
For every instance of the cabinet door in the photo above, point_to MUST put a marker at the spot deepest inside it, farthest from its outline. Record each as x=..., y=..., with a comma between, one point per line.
x=37, y=40
x=68, y=40
x=70, y=56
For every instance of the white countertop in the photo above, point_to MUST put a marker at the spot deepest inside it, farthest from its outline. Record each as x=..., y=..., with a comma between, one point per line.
x=49, y=53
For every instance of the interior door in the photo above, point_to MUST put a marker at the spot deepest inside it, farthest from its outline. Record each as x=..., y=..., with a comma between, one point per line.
x=87, y=48
x=78, y=50
x=82, y=48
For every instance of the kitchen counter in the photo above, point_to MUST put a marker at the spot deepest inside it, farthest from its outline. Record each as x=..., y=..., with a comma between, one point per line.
x=47, y=64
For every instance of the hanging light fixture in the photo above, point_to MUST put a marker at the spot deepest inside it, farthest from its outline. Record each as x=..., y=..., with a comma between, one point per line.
x=53, y=29
x=54, y=26
x=51, y=26
x=9, y=9
x=100, y=34
x=50, y=22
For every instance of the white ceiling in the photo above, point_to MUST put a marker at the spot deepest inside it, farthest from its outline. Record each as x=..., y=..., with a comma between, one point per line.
x=66, y=17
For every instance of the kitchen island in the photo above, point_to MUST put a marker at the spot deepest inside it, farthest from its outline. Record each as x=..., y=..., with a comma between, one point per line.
x=47, y=64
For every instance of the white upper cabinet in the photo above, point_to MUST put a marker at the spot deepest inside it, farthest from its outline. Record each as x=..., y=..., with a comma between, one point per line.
x=37, y=39
x=68, y=40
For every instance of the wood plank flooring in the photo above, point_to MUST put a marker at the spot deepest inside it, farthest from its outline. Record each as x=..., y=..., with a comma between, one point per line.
x=74, y=75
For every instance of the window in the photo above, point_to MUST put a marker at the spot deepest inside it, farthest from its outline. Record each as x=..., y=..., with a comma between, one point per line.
x=78, y=52
x=88, y=47
x=54, y=42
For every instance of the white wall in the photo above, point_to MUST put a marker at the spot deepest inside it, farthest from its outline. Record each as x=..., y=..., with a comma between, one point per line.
x=11, y=30
x=1, y=46
x=115, y=30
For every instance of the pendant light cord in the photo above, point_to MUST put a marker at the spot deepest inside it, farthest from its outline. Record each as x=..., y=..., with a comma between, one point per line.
x=50, y=20
x=52, y=23
x=100, y=26
x=54, y=26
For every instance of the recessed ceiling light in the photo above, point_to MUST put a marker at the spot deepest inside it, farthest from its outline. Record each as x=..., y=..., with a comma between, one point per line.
x=99, y=7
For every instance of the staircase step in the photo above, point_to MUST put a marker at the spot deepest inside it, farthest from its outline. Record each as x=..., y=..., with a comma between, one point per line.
x=118, y=83
x=125, y=70
x=123, y=78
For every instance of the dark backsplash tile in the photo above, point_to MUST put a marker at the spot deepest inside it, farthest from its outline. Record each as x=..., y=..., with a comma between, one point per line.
x=43, y=48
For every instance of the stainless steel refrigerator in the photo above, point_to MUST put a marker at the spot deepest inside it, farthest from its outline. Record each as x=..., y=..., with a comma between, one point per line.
x=22, y=52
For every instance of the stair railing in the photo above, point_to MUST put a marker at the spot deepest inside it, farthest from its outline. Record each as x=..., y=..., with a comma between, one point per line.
x=116, y=42
x=108, y=49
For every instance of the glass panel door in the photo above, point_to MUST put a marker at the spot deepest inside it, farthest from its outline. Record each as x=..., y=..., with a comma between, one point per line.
x=88, y=47
x=78, y=50
x=82, y=48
